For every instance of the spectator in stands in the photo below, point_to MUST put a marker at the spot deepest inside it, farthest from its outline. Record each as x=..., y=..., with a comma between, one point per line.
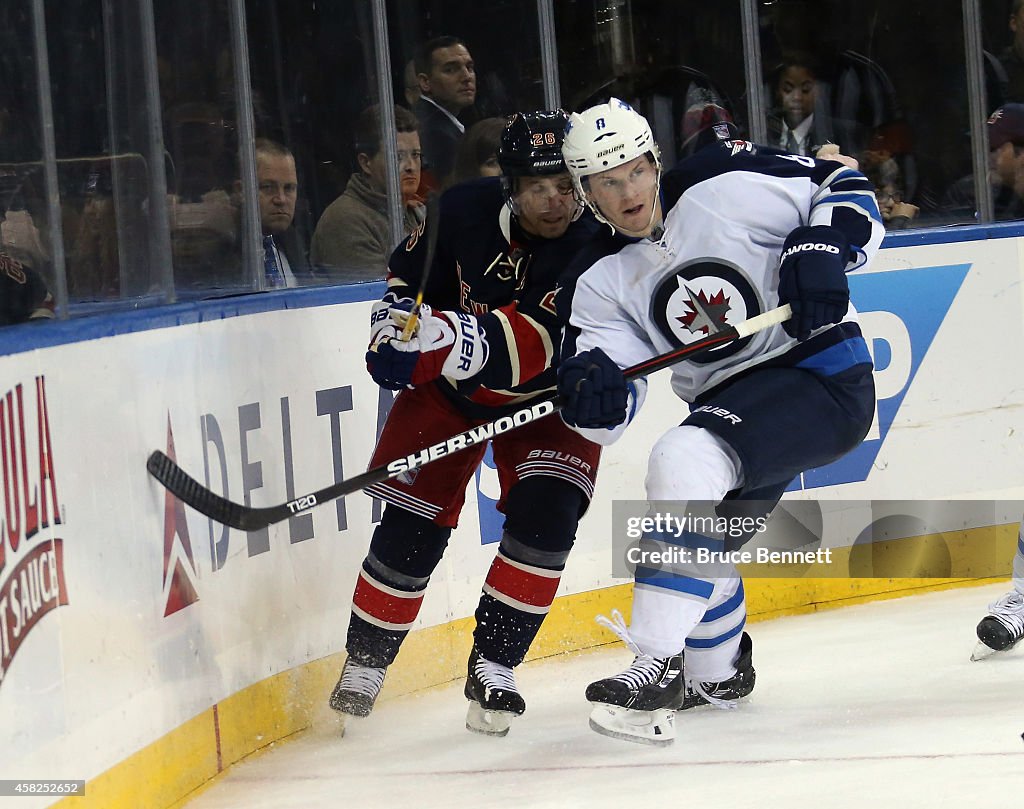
x=798, y=122
x=92, y=250
x=410, y=84
x=23, y=293
x=204, y=241
x=889, y=164
x=20, y=239
x=284, y=256
x=801, y=121
x=887, y=178
x=204, y=220
x=353, y=241
x=477, y=153
x=1006, y=170
x=447, y=79
x=1012, y=57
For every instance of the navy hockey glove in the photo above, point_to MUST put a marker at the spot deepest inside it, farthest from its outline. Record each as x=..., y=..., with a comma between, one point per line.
x=812, y=278
x=594, y=390
x=450, y=344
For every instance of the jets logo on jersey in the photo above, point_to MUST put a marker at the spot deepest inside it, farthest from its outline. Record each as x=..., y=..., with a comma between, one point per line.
x=700, y=299
x=707, y=315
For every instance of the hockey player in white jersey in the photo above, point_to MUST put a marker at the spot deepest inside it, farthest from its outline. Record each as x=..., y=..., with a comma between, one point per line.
x=727, y=234
x=1003, y=627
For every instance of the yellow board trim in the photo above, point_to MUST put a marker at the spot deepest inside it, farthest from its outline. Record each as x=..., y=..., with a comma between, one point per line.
x=174, y=769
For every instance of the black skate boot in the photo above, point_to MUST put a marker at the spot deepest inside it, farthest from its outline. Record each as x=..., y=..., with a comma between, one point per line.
x=1003, y=627
x=726, y=691
x=638, y=704
x=648, y=684
x=357, y=688
x=494, y=699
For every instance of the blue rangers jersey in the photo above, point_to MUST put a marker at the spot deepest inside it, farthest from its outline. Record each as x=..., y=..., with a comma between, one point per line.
x=486, y=265
x=727, y=212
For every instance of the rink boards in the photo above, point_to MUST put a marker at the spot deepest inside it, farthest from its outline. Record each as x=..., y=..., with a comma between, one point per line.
x=146, y=649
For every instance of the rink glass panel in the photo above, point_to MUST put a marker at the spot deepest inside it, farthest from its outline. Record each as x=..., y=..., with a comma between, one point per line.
x=104, y=154
x=892, y=80
x=313, y=71
x=148, y=138
x=663, y=58
x=502, y=36
x=24, y=218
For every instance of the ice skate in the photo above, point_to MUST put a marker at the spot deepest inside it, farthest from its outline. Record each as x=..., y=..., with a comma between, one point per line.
x=724, y=694
x=638, y=704
x=494, y=699
x=357, y=688
x=1002, y=628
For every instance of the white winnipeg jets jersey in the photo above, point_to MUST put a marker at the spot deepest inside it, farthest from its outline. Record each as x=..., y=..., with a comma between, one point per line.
x=728, y=211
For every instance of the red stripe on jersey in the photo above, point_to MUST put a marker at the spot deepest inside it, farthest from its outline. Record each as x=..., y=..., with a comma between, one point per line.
x=522, y=585
x=384, y=606
x=532, y=353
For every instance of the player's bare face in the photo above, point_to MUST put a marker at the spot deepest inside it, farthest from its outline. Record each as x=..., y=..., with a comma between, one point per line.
x=627, y=196
x=546, y=204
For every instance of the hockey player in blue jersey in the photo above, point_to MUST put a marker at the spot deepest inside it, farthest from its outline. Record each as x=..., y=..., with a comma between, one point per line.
x=501, y=246
x=1003, y=627
x=727, y=234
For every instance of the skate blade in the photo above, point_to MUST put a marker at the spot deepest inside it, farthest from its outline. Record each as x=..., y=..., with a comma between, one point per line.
x=488, y=723
x=655, y=728
x=981, y=651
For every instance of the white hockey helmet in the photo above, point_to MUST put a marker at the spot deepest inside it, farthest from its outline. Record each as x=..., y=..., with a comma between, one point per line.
x=606, y=136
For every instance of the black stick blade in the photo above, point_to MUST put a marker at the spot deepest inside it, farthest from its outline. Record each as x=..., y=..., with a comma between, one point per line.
x=194, y=494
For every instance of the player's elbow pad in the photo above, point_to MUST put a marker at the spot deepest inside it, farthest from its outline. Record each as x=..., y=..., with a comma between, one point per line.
x=606, y=436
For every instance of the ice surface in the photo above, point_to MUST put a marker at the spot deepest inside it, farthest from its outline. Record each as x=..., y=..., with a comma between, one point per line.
x=874, y=705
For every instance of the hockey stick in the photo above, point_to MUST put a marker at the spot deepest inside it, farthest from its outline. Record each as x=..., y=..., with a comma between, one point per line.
x=246, y=518
x=433, y=225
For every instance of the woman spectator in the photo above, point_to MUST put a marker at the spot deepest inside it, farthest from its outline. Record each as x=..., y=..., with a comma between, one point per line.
x=477, y=153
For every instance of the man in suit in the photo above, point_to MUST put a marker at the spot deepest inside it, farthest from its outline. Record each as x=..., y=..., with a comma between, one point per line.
x=284, y=256
x=447, y=79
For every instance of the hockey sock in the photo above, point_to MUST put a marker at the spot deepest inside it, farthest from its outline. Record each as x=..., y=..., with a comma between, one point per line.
x=713, y=645
x=382, y=615
x=517, y=595
x=404, y=551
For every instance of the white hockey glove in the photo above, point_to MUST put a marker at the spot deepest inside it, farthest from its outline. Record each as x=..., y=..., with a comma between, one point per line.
x=382, y=315
x=450, y=344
